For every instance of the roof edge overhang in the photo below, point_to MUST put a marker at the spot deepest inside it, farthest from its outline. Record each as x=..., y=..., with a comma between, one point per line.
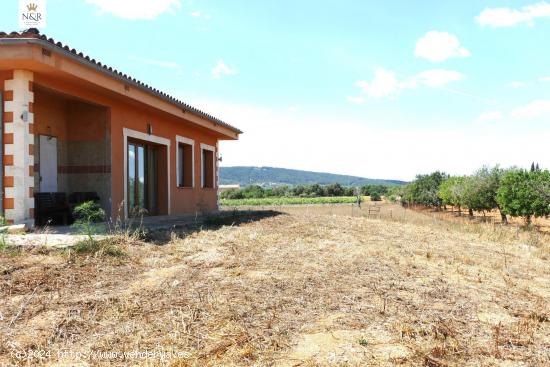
x=216, y=124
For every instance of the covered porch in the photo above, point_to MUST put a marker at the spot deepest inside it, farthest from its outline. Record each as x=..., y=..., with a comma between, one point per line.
x=72, y=155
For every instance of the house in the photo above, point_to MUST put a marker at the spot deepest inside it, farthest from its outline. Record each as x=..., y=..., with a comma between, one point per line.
x=222, y=188
x=73, y=125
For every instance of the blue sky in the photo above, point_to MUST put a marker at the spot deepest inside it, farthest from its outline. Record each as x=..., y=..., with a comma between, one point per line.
x=378, y=89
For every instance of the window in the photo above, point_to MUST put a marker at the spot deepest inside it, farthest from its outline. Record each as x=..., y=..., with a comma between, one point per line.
x=185, y=162
x=207, y=169
x=185, y=172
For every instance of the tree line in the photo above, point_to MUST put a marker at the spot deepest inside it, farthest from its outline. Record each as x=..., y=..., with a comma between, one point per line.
x=513, y=192
x=315, y=190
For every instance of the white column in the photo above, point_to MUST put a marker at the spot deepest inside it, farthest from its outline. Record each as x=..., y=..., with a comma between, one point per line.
x=19, y=155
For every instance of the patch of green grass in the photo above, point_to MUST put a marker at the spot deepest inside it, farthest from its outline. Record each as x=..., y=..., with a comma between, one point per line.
x=98, y=248
x=290, y=201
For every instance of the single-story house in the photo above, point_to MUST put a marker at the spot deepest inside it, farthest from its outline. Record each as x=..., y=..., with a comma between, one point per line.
x=78, y=128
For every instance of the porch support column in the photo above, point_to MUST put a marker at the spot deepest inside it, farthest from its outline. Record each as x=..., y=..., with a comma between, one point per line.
x=19, y=148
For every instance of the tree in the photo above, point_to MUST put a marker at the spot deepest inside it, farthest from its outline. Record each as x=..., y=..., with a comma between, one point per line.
x=375, y=196
x=518, y=195
x=335, y=189
x=451, y=191
x=253, y=192
x=424, y=189
x=316, y=190
x=368, y=190
x=480, y=190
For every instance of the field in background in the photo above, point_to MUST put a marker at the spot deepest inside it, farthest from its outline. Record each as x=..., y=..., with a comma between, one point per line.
x=299, y=286
x=290, y=201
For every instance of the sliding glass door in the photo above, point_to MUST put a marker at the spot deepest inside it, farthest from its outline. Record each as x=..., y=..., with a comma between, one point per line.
x=142, y=179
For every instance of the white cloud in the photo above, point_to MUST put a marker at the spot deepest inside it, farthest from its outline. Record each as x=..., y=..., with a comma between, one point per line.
x=517, y=84
x=544, y=79
x=507, y=17
x=356, y=100
x=534, y=109
x=439, y=46
x=490, y=116
x=136, y=9
x=385, y=83
x=437, y=78
x=196, y=13
x=221, y=69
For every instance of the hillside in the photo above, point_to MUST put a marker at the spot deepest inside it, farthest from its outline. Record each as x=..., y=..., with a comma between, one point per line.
x=271, y=176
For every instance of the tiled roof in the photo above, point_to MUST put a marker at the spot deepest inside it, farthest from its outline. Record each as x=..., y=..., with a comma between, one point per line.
x=33, y=33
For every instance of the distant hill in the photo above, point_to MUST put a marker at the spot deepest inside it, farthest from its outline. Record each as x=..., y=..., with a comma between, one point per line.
x=270, y=176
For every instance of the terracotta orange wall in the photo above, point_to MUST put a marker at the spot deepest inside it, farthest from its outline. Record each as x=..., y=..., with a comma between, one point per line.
x=126, y=114
x=52, y=113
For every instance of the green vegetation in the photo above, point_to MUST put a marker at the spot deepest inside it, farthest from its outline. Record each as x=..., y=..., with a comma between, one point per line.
x=271, y=176
x=424, y=189
x=515, y=192
x=451, y=191
x=3, y=232
x=375, y=196
x=290, y=200
x=88, y=216
x=519, y=197
x=89, y=221
x=304, y=191
x=99, y=248
x=376, y=191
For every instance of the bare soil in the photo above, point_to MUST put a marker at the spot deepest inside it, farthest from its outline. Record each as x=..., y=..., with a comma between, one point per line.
x=303, y=288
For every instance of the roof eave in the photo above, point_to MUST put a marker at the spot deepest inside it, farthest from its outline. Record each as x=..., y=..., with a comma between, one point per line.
x=85, y=60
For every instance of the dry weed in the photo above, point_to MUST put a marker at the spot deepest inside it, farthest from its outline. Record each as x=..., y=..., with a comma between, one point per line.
x=308, y=288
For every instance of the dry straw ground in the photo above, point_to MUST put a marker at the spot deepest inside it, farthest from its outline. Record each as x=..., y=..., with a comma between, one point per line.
x=312, y=286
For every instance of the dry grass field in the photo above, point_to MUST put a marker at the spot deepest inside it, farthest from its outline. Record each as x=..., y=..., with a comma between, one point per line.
x=309, y=286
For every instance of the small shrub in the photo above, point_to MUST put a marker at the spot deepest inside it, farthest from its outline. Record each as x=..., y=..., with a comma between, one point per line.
x=99, y=248
x=375, y=196
x=3, y=232
x=88, y=215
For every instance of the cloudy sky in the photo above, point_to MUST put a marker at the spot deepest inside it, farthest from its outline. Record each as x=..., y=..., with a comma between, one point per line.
x=383, y=89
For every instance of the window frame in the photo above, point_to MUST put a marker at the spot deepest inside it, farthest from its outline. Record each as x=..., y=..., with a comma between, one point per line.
x=191, y=142
x=203, y=181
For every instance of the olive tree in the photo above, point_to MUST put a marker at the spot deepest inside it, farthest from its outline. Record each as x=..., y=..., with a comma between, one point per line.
x=518, y=195
x=451, y=191
x=424, y=190
x=480, y=190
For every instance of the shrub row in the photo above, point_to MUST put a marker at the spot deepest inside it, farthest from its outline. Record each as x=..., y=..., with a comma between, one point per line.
x=309, y=191
x=513, y=192
x=290, y=201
